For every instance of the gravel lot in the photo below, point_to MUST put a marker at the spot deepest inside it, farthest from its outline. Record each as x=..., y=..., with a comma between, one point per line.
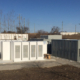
x=64, y=72
x=53, y=69
x=54, y=61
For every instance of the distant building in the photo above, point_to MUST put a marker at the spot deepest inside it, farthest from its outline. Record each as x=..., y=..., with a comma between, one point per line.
x=68, y=33
x=13, y=36
x=51, y=36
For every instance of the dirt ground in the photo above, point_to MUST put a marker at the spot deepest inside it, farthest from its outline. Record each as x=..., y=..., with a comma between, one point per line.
x=64, y=72
x=37, y=35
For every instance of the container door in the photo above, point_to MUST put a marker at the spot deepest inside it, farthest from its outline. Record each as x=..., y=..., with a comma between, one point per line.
x=40, y=54
x=17, y=51
x=25, y=51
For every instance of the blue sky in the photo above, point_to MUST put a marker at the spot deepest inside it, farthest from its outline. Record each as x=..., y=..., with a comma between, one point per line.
x=45, y=13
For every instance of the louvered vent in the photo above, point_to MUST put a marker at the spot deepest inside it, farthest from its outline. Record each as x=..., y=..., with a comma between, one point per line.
x=32, y=50
x=40, y=50
x=25, y=51
x=17, y=51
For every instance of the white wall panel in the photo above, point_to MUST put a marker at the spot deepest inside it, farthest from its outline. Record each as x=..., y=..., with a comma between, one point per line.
x=5, y=50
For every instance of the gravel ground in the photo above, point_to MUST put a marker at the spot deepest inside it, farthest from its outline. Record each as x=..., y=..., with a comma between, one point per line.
x=64, y=72
x=52, y=69
x=54, y=61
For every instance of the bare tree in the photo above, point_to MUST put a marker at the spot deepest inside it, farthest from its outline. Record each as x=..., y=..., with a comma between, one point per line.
x=0, y=19
x=22, y=29
x=42, y=31
x=55, y=30
x=10, y=19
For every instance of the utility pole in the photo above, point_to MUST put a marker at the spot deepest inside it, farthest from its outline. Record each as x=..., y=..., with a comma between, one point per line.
x=24, y=25
x=8, y=24
x=0, y=19
x=4, y=27
x=19, y=17
x=0, y=25
x=75, y=29
x=4, y=23
x=14, y=25
x=19, y=20
x=28, y=25
x=62, y=26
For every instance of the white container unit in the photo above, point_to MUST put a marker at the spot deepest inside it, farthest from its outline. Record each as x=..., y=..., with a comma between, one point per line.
x=5, y=50
x=16, y=51
x=25, y=51
x=40, y=48
x=32, y=50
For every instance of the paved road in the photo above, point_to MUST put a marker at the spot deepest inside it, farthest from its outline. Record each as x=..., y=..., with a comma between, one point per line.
x=43, y=63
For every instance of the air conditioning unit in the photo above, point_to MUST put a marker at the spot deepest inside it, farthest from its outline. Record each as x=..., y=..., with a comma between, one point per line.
x=5, y=50
x=25, y=51
x=33, y=50
x=15, y=51
x=40, y=48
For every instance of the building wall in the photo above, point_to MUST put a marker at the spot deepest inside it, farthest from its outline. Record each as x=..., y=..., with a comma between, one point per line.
x=68, y=33
x=65, y=49
x=51, y=36
x=54, y=36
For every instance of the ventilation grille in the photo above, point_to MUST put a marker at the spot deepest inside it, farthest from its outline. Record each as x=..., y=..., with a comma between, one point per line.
x=17, y=51
x=40, y=50
x=32, y=50
x=25, y=51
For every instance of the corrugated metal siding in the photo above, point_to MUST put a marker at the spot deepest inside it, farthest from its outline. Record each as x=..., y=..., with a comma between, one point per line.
x=65, y=49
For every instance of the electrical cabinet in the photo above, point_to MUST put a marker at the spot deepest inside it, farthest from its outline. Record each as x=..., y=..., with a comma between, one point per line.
x=16, y=51
x=33, y=50
x=68, y=49
x=40, y=54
